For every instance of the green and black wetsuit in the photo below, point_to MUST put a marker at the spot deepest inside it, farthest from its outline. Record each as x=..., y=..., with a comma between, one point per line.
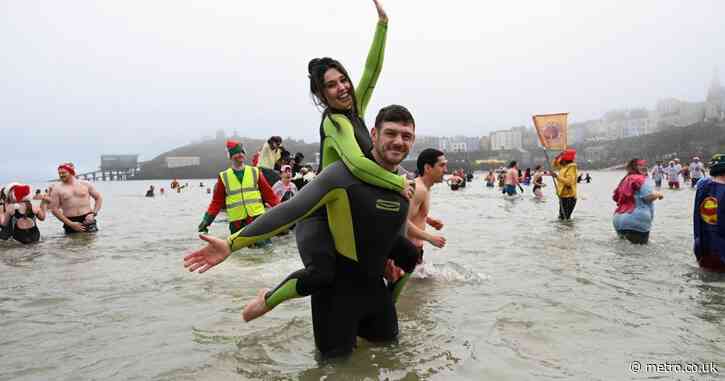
x=369, y=228
x=343, y=137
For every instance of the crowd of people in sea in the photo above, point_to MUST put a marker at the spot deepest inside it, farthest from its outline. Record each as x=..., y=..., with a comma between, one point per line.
x=360, y=219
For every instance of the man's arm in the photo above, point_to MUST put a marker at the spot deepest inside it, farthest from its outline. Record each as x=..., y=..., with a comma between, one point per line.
x=414, y=232
x=268, y=195
x=218, y=200
x=40, y=210
x=434, y=222
x=98, y=199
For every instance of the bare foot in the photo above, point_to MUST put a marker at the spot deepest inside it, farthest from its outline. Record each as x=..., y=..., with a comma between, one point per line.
x=256, y=307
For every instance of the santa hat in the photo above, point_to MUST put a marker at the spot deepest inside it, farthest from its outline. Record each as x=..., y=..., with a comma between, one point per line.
x=16, y=192
x=234, y=147
x=68, y=167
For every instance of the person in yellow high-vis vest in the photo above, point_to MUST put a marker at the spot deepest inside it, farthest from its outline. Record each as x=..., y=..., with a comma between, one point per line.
x=241, y=189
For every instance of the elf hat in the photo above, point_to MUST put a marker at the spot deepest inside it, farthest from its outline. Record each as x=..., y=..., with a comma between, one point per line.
x=234, y=147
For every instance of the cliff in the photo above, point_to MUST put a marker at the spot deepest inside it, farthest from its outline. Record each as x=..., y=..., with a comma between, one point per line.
x=212, y=158
x=701, y=139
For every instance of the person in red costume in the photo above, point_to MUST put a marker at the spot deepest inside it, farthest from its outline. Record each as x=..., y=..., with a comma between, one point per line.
x=635, y=197
x=241, y=189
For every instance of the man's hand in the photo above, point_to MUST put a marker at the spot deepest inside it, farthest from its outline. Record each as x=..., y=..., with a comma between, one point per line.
x=90, y=218
x=382, y=16
x=214, y=253
x=77, y=226
x=437, y=240
x=392, y=272
x=409, y=191
x=435, y=223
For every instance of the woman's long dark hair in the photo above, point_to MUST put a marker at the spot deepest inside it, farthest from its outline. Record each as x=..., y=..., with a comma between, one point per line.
x=316, y=73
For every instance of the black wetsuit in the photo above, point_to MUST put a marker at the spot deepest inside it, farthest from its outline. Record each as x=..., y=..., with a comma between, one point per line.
x=369, y=228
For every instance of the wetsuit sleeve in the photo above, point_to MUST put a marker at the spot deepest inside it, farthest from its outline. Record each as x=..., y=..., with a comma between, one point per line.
x=267, y=193
x=218, y=199
x=343, y=143
x=373, y=66
x=325, y=189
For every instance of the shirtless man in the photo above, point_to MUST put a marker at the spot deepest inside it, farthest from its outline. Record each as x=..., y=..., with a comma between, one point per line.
x=70, y=202
x=511, y=180
x=431, y=165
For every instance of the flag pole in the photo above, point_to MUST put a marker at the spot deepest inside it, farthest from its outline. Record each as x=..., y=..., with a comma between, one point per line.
x=556, y=189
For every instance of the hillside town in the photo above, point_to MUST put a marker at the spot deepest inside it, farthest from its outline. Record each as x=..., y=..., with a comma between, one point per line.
x=668, y=113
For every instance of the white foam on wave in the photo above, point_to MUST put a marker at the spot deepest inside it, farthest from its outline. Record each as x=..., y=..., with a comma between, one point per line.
x=447, y=272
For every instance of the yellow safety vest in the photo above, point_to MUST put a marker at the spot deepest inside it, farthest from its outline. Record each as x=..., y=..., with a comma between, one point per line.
x=242, y=199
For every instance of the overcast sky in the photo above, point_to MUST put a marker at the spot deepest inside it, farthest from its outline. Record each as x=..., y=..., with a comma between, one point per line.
x=82, y=78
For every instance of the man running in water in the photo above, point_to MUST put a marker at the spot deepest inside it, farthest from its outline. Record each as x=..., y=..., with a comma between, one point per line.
x=431, y=165
x=70, y=202
x=370, y=230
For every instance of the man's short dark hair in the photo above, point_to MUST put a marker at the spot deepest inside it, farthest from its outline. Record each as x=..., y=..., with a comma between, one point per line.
x=395, y=114
x=428, y=156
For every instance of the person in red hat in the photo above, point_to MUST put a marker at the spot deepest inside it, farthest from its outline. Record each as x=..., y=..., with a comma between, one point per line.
x=240, y=189
x=70, y=202
x=566, y=182
x=18, y=217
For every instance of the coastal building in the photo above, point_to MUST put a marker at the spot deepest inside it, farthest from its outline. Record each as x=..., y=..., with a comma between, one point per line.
x=672, y=112
x=506, y=139
x=595, y=154
x=484, y=143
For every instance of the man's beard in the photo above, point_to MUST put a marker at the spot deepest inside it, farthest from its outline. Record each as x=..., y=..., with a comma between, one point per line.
x=383, y=157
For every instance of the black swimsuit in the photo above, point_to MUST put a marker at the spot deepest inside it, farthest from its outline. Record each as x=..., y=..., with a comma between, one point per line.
x=24, y=236
x=90, y=228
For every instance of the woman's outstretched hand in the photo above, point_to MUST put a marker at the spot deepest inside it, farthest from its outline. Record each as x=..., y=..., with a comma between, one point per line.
x=382, y=16
x=209, y=256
